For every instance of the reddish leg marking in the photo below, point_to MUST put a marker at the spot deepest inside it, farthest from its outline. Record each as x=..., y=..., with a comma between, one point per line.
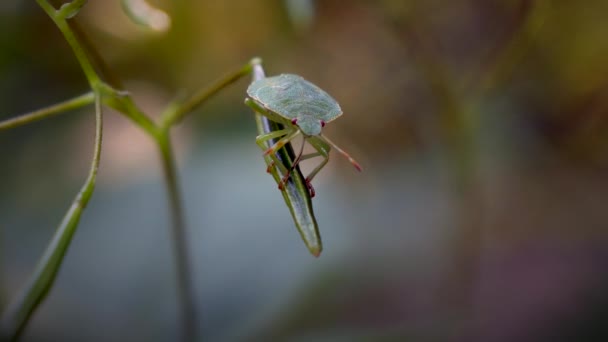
x=270, y=166
x=311, y=189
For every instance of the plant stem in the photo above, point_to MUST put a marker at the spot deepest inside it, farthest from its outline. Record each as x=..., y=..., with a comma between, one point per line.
x=185, y=291
x=47, y=112
x=59, y=17
x=122, y=102
x=16, y=316
x=176, y=112
x=104, y=72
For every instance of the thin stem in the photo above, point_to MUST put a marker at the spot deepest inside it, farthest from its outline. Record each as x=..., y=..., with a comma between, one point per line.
x=50, y=111
x=177, y=111
x=15, y=318
x=180, y=242
x=104, y=72
x=61, y=22
x=122, y=102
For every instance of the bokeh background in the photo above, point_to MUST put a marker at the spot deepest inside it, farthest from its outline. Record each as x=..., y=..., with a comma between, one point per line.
x=481, y=214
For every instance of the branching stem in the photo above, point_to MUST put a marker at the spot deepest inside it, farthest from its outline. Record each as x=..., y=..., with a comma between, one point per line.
x=16, y=316
x=178, y=110
x=47, y=112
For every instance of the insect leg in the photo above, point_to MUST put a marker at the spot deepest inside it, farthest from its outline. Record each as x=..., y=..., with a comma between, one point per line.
x=293, y=166
x=316, y=170
x=322, y=150
x=342, y=152
x=282, y=141
x=271, y=159
x=261, y=139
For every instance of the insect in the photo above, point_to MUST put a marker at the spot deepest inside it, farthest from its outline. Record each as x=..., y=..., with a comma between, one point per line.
x=302, y=108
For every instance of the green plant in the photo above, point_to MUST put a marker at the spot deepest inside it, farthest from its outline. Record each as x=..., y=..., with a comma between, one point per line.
x=107, y=91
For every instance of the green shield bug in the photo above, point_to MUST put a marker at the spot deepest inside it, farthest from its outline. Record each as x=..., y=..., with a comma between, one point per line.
x=302, y=108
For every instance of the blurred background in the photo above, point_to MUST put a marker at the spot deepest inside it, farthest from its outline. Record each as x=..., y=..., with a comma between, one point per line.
x=481, y=213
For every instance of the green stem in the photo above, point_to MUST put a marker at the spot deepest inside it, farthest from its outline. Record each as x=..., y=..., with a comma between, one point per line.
x=181, y=252
x=47, y=112
x=104, y=72
x=59, y=17
x=174, y=113
x=177, y=111
x=15, y=318
x=122, y=102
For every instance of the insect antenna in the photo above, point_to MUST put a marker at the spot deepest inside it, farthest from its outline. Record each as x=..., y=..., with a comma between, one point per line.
x=342, y=152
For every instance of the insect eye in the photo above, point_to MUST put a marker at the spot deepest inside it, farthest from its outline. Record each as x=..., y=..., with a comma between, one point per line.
x=294, y=121
x=322, y=123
